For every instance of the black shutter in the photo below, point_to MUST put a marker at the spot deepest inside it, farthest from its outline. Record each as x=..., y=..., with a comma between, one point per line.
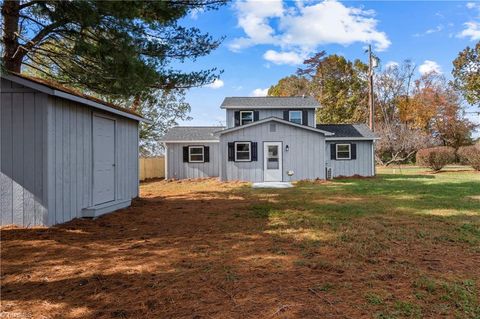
x=237, y=118
x=206, y=154
x=353, y=151
x=333, y=151
x=185, y=154
x=254, y=156
x=231, y=152
x=285, y=115
x=256, y=116
x=305, y=117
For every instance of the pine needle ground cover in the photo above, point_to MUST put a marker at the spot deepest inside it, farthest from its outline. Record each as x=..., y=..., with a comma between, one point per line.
x=405, y=244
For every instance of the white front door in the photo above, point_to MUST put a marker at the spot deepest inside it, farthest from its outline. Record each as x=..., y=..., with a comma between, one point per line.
x=272, y=161
x=103, y=160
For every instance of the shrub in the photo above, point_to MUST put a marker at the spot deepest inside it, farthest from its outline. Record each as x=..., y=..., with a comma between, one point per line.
x=436, y=158
x=470, y=155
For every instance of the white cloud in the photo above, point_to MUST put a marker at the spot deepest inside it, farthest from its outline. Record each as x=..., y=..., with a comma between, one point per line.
x=195, y=13
x=259, y=92
x=429, y=66
x=472, y=31
x=472, y=28
x=391, y=64
x=472, y=5
x=302, y=27
x=291, y=58
x=215, y=84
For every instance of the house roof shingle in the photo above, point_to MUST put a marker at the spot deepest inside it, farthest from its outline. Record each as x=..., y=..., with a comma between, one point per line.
x=271, y=102
x=192, y=133
x=348, y=130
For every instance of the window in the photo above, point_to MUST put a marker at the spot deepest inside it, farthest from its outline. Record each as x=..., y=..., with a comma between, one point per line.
x=295, y=117
x=343, y=151
x=196, y=154
x=246, y=117
x=243, y=151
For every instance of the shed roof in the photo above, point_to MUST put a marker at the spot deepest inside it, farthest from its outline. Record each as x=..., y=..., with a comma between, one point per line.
x=180, y=134
x=270, y=102
x=348, y=131
x=57, y=89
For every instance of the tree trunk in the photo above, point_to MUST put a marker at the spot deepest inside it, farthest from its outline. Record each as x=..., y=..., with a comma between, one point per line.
x=12, y=59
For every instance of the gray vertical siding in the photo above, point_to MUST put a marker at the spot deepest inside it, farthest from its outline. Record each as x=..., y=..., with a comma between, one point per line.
x=361, y=166
x=265, y=113
x=70, y=159
x=22, y=155
x=177, y=169
x=46, y=157
x=306, y=155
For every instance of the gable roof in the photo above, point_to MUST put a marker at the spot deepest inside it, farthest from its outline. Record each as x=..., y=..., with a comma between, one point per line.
x=346, y=131
x=269, y=102
x=180, y=134
x=275, y=119
x=56, y=89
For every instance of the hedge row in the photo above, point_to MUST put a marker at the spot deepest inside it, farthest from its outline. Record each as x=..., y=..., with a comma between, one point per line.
x=436, y=158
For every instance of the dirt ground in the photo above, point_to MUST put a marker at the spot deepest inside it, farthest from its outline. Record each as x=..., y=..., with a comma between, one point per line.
x=194, y=250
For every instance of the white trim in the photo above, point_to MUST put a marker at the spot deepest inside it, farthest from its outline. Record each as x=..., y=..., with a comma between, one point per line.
x=249, y=152
x=349, y=151
x=192, y=141
x=298, y=111
x=241, y=120
x=166, y=161
x=276, y=119
x=373, y=158
x=190, y=155
x=351, y=138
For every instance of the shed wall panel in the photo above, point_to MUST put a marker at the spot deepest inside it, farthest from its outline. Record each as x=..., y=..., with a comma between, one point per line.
x=72, y=166
x=22, y=200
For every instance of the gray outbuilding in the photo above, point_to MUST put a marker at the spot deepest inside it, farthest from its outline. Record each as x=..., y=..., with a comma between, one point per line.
x=63, y=154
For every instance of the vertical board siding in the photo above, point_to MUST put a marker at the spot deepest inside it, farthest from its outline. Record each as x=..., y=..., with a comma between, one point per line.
x=72, y=164
x=177, y=169
x=266, y=113
x=46, y=157
x=305, y=156
x=361, y=166
x=22, y=153
x=6, y=182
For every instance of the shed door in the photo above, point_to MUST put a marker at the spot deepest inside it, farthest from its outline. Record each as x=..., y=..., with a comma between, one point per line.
x=103, y=160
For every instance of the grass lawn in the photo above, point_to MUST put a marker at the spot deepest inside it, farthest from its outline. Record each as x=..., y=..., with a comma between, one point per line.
x=405, y=244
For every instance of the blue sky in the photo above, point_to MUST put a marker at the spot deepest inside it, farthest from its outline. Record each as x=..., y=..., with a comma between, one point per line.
x=267, y=40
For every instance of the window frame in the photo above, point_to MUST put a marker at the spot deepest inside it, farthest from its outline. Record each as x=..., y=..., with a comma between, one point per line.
x=349, y=151
x=290, y=116
x=249, y=151
x=190, y=154
x=241, y=119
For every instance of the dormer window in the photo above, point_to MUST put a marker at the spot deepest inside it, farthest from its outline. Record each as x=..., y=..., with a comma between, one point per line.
x=246, y=117
x=295, y=117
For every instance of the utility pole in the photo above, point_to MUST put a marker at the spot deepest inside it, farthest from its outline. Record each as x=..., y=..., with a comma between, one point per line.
x=371, y=103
